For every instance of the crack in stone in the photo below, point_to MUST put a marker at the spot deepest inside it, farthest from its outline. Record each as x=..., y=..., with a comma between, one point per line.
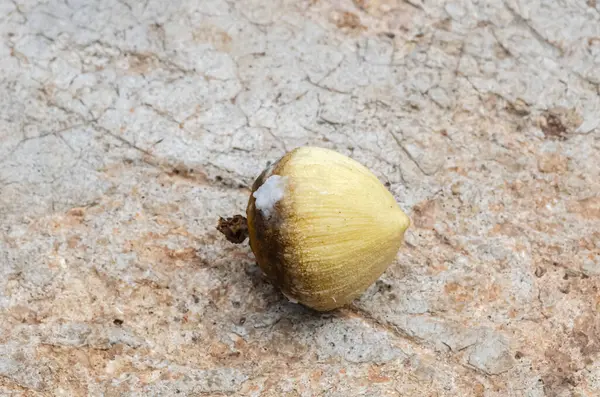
x=408, y=154
x=534, y=32
x=399, y=333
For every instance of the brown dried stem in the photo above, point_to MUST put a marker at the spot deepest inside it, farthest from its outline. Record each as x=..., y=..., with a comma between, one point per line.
x=235, y=229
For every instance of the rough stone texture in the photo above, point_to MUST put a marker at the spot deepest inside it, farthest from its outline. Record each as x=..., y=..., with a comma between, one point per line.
x=128, y=127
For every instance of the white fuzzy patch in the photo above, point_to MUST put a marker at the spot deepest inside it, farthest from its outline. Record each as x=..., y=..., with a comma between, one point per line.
x=269, y=194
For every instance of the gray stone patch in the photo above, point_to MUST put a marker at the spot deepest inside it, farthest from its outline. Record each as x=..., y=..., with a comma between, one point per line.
x=194, y=381
x=355, y=342
x=18, y=365
x=491, y=354
x=441, y=334
x=591, y=266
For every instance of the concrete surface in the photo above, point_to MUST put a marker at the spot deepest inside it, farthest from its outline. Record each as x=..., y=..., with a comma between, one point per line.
x=128, y=127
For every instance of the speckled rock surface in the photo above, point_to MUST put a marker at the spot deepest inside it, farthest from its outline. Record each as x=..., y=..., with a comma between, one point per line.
x=128, y=127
